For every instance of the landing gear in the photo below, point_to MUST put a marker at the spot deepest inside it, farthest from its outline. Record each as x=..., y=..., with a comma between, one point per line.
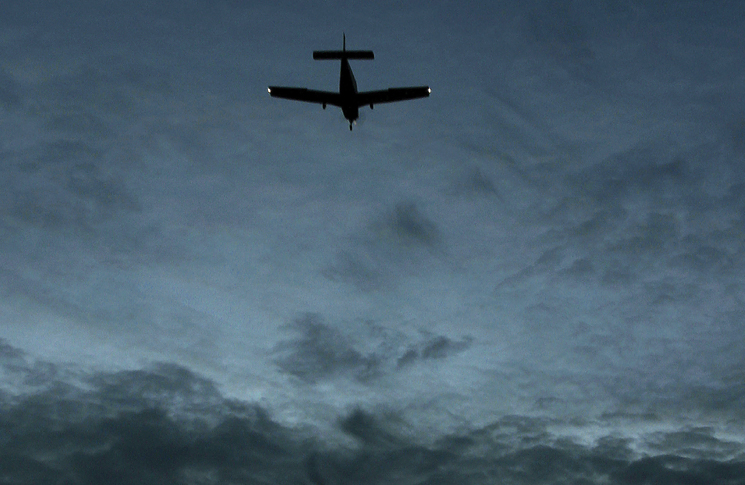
x=350, y=126
x=324, y=105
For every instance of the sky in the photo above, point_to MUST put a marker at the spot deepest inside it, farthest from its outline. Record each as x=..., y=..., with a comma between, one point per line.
x=533, y=276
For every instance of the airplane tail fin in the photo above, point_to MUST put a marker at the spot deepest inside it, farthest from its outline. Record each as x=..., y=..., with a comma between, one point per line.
x=342, y=54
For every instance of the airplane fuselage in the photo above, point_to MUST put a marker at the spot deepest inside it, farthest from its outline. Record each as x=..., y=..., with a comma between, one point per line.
x=348, y=92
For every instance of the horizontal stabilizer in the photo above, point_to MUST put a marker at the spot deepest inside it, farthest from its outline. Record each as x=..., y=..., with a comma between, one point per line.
x=323, y=55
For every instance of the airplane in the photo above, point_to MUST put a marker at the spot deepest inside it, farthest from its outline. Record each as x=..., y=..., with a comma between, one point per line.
x=348, y=98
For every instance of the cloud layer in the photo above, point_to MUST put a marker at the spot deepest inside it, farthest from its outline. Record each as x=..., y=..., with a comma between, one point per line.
x=532, y=276
x=166, y=424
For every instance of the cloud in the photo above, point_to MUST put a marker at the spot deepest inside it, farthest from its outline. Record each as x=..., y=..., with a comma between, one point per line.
x=394, y=244
x=166, y=424
x=321, y=352
x=434, y=348
x=408, y=225
x=155, y=200
x=513, y=449
x=9, y=355
x=694, y=443
x=158, y=425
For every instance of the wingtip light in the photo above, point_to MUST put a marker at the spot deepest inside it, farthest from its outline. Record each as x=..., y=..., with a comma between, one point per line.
x=269, y=90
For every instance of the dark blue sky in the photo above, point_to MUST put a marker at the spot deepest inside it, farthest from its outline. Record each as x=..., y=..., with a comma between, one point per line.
x=532, y=276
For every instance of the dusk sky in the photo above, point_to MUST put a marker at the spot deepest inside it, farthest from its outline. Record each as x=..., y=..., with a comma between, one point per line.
x=534, y=276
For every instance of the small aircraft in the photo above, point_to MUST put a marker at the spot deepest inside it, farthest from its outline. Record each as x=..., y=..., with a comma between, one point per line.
x=348, y=98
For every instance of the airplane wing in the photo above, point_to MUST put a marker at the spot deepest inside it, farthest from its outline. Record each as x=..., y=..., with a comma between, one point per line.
x=304, y=94
x=392, y=94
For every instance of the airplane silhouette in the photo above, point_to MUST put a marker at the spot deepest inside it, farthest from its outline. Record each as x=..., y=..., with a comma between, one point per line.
x=348, y=98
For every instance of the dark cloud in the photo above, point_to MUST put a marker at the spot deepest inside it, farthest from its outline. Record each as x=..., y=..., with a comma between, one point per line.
x=397, y=243
x=695, y=443
x=409, y=226
x=161, y=425
x=667, y=469
x=322, y=352
x=10, y=354
x=149, y=446
x=439, y=347
x=166, y=424
x=164, y=383
x=512, y=450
